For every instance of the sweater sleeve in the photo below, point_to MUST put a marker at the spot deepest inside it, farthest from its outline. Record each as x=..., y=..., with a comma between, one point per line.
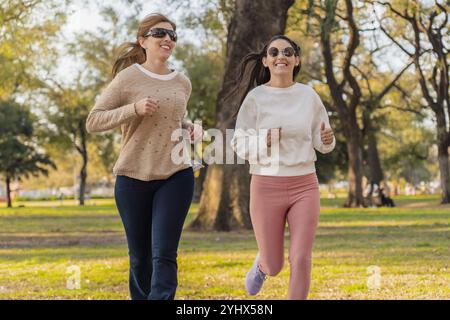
x=185, y=122
x=109, y=111
x=319, y=117
x=246, y=141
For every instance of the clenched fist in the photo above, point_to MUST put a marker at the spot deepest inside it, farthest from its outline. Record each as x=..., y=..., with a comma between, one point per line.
x=146, y=106
x=326, y=134
x=196, y=131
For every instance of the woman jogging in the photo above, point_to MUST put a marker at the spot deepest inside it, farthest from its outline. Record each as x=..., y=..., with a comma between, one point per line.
x=288, y=120
x=153, y=193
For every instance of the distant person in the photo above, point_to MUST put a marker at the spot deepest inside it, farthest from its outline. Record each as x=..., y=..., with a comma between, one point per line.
x=292, y=116
x=375, y=195
x=385, y=200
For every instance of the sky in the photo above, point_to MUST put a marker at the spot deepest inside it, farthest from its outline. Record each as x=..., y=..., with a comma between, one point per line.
x=85, y=16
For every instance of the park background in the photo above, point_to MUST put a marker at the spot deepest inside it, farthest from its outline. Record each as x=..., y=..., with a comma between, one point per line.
x=381, y=69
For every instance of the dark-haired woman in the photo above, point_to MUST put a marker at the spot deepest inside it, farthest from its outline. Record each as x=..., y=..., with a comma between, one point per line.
x=152, y=192
x=288, y=120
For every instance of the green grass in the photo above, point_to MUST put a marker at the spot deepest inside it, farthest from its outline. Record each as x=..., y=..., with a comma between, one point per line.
x=410, y=244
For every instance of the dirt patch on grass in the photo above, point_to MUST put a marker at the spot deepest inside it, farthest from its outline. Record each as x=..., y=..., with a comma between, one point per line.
x=60, y=239
x=425, y=204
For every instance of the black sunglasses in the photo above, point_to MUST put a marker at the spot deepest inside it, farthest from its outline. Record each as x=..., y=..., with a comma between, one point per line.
x=287, y=52
x=161, y=33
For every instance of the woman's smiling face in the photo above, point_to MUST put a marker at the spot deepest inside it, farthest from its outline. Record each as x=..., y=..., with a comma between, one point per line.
x=280, y=65
x=158, y=48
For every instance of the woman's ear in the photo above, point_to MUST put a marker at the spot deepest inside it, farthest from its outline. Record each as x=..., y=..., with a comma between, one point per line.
x=297, y=60
x=263, y=60
x=141, y=42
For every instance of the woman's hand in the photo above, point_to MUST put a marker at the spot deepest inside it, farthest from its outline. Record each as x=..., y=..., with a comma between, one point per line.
x=277, y=136
x=326, y=134
x=146, y=106
x=195, y=131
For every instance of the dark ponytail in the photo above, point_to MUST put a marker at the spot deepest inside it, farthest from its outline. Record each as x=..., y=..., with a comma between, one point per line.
x=252, y=72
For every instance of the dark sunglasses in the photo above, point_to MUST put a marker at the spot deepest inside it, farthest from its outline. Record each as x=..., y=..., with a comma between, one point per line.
x=161, y=33
x=287, y=52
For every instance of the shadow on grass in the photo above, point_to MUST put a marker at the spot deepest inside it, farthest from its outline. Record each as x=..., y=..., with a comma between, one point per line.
x=390, y=240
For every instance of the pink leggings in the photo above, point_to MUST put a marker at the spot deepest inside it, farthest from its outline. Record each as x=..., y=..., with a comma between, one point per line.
x=273, y=200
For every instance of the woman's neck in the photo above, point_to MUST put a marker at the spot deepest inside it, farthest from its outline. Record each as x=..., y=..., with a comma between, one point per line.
x=156, y=66
x=280, y=82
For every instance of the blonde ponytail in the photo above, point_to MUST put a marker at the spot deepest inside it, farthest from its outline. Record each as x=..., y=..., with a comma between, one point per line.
x=128, y=53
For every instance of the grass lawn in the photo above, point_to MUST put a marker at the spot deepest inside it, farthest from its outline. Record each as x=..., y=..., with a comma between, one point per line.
x=410, y=244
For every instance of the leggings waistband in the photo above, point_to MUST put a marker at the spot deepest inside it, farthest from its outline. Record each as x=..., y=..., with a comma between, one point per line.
x=310, y=177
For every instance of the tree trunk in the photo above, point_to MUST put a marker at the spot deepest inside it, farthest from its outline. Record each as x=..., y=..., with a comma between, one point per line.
x=8, y=192
x=82, y=150
x=444, y=172
x=198, y=187
x=373, y=158
x=444, y=169
x=355, y=168
x=83, y=176
x=230, y=206
x=84, y=154
x=224, y=204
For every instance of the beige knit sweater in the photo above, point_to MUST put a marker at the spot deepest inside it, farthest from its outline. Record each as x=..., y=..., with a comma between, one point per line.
x=146, y=146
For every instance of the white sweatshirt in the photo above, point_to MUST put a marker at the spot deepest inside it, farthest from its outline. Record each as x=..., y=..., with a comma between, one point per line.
x=299, y=111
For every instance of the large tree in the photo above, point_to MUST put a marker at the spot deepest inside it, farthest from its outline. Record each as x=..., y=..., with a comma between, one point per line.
x=203, y=60
x=349, y=63
x=28, y=27
x=20, y=156
x=26, y=34
x=425, y=40
x=334, y=24
x=71, y=100
x=224, y=203
x=68, y=113
x=310, y=21
x=376, y=89
x=204, y=68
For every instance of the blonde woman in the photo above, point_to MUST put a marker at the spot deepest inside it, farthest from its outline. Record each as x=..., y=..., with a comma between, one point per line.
x=152, y=192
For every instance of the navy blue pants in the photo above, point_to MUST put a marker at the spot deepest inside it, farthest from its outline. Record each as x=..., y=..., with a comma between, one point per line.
x=153, y=214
